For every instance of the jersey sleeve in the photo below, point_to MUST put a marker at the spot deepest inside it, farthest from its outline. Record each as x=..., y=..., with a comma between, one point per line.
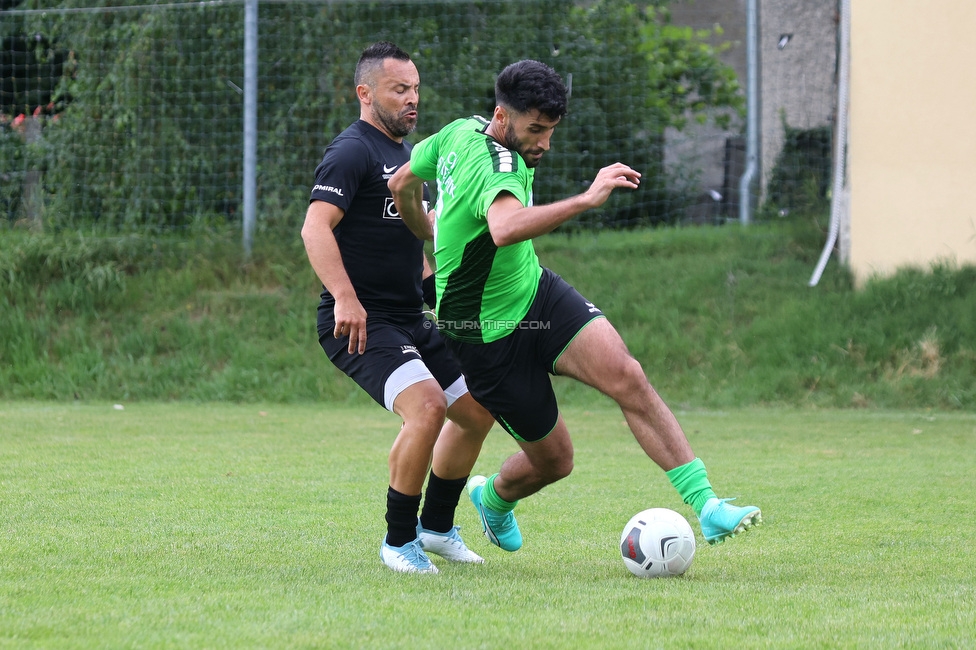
x=345, y=163
x=513, y=182
x=423, y=158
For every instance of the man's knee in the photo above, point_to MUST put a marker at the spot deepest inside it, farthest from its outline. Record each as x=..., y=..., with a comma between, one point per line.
x=422, y=405
x=560, y=469
x=552, y=467
x=626, y=379
x=431, y=411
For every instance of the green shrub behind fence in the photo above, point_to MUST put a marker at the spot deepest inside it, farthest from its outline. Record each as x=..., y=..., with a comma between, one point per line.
x=144, y=127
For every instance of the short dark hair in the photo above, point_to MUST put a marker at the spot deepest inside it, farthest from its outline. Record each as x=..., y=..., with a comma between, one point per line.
x=530, y=85
x=373, y=57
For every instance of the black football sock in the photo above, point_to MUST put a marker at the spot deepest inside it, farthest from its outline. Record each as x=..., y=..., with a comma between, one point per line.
x=401, y=517
x=440, y=502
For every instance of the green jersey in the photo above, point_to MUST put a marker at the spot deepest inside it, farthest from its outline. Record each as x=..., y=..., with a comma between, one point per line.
x=483, y=291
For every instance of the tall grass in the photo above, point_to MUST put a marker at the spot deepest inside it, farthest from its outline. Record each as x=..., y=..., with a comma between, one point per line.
x=718, y=316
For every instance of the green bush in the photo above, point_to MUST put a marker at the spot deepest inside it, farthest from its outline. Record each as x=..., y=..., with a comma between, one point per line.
x=151, y=132
x=801, y=178
x=12, y=168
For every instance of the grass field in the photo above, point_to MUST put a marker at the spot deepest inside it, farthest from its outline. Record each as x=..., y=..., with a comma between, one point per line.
x=238, y=526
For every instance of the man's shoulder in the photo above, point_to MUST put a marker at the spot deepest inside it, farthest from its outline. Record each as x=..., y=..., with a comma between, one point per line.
x=470, y=124
x=362, y=147
x=461, y=128
x=348, y=144
x=356, y=136
x=503, y=159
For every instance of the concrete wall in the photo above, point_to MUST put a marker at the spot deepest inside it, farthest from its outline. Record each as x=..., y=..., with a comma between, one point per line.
x=798, y=59
x=703, y=146
x=912, y=151
x=797, y=81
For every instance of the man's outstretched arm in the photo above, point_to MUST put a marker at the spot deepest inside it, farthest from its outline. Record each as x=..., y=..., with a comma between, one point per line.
x=510, y=222
x=408, y=194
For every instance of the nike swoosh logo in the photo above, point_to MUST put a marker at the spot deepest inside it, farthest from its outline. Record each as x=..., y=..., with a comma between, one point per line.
x=387, y=170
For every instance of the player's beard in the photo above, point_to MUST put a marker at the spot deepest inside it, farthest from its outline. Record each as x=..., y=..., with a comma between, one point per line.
x=397, y=125
x=512, y=142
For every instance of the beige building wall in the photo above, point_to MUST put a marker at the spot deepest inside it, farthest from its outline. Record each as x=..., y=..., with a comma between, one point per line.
x=912, y=149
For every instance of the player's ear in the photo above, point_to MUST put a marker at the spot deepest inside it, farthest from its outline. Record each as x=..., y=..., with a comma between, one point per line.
x=501, y=116
x=364, y=93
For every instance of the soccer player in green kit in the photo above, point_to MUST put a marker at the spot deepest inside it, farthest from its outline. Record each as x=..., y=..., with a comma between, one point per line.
x=511, y=323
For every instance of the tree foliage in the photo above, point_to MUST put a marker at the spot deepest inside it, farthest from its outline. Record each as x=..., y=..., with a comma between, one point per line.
x=151, y=136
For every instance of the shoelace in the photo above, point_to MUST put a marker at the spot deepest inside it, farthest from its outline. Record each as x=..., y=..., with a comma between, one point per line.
x=413, y=554
x=454, y=541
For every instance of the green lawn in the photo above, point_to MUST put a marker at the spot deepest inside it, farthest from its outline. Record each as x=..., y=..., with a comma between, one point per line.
x=237, y=525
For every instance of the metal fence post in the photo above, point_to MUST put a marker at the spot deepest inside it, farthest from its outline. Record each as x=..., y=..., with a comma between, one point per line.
x=250, y=121
x=752, y=111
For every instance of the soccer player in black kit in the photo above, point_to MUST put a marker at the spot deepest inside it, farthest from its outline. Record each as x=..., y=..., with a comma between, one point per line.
x=371, y=324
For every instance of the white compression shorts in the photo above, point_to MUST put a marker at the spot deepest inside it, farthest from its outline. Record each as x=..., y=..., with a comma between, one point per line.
x=412, y=372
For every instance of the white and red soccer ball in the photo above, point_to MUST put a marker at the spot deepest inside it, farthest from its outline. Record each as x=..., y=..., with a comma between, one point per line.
x=657, y=542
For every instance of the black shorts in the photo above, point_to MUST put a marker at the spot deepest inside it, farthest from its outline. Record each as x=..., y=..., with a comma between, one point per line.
x=510, y=376
x=390, y=344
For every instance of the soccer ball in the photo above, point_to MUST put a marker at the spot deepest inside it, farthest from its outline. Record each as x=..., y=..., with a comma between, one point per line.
x=656, y=543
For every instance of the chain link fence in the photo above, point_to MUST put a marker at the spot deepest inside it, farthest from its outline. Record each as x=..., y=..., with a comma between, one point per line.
x=130, y=117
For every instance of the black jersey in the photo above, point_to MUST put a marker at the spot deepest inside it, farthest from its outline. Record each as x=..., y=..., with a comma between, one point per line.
x=383, y=259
